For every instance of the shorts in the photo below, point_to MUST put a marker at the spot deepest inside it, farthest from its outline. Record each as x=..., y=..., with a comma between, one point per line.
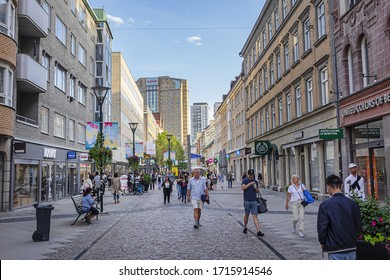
x=250, y=207
x=197, y=203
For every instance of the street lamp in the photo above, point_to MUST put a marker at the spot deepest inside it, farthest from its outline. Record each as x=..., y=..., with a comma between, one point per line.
x=100, y=93
x=169, y=137
x=133, y=127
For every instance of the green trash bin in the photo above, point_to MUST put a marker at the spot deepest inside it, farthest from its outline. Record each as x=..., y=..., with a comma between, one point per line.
x=43, y=214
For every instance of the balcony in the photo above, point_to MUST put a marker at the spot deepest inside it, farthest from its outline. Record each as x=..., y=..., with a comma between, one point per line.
x=32, y=19
x=30, y=75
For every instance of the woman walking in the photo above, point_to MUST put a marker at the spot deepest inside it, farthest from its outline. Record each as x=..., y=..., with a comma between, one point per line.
x=295, y=197
x=167, y=189
x=116, y=187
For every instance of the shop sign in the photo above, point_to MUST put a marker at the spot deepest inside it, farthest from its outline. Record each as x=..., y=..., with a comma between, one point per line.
x=373, y=132
x=330, y=134
x=83, y=157
x=367, y=105
x=71, y=155
x=20, y=147
x=49, y=153
x=262, y=147
x=248, y=151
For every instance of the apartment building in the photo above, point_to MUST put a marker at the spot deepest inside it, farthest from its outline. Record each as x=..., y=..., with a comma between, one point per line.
x=200, y=115
x=289, y=94
x=168, y=99
x=362, y=48
x=64, y=50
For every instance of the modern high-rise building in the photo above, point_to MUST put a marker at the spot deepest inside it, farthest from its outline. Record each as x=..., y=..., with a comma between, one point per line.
x=63, y=50
x=168, y=99
x=200, y=119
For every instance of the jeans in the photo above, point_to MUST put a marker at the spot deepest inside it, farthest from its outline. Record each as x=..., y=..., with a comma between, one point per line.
x=342, y=256
x=230, y=183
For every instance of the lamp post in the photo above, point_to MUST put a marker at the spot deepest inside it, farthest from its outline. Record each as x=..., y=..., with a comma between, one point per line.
x=169, y=137
x=100, y=93
x=133, y=127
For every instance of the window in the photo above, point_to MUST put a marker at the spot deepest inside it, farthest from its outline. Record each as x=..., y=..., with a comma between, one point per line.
x=256, y=90
x=81, y=133
x=296, y=47
x=60, y=30
x=6, y=86
x=324, y=86
x=278, y=66
x=284, y=8
x=267, y=127
x=73, y=6
x=273, y=117
x=73, y=44
x=286, y=57
x=91, y=65
x=261, y=84
x=59, y=125
x=47, y=8
x=364, y=55
x=306, y=35
x=350, y=71
x=270, y=29
x=44, y=122
x=321, y=20
x=264, y=39
x=298, y=99
x=254, y=54
x=276, y=18
x=82, y=17
x=257, y=124
x=261, y=123
x=91, y=101
x=271, y=71
x=7, y=18
x=253, y=127
x=265, y=79
x=309, y=95
x=280, y=111
x=72, y=86
x=71, y=130
x=60, y=77
x=288, y=107
x=81, y=93
x=82, y=55
x=293, y=2
x=46, y=63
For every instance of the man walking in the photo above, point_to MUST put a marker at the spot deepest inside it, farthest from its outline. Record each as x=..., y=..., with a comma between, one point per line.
x=196, y=188
x=230, y=179
x=250, y=187
x=354, y=184
x=338, y=223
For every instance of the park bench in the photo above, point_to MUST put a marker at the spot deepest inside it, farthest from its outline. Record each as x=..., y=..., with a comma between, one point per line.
x=80, y=211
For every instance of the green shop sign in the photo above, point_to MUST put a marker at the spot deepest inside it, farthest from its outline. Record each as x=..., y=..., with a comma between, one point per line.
x=262, y=147
x=329, y=134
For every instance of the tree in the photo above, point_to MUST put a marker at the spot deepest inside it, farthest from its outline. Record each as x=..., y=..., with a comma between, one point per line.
x=162, y=145
x=101, y=156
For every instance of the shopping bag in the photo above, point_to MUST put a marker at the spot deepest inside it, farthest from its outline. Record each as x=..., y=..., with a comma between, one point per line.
x=308, y=198
x=261, y=204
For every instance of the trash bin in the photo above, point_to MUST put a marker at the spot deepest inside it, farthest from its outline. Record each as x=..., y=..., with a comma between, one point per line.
x=43, y=213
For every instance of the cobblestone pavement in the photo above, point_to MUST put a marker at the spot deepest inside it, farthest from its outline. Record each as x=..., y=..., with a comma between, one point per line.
x=142, y=227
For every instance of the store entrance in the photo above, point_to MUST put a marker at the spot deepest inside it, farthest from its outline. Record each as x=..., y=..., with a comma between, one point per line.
x=377, y=178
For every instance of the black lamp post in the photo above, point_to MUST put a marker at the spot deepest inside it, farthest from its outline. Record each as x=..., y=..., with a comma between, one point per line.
x=169, y=137
x=133, y=127
x=100, y=93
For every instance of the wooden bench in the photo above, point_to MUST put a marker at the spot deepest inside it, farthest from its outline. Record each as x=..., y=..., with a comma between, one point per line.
x=80, y=211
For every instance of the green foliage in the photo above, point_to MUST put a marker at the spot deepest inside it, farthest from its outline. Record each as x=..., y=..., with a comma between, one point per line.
x=101, y=156
x=162, y=145
x=375, y=220
x=133, y=162
x=147, y=178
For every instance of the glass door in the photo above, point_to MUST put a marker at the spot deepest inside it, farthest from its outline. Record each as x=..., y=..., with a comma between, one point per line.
x=60, y=180
x=378, y=171
x=47, y=187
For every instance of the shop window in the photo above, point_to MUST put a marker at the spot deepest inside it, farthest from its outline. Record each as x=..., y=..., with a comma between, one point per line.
x=314, y=168
x=329, y=158
x=26, y=182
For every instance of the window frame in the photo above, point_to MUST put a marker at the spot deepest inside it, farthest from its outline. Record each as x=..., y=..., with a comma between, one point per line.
x=59, y=125
x=44, y=120
x=61, y=31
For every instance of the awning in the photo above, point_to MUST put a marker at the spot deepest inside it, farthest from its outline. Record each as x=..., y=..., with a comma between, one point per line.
x=195, y=155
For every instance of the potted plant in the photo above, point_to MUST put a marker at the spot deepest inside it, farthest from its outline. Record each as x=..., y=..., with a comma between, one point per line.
x=374, y=239
x=147, y=180
x=133, y=162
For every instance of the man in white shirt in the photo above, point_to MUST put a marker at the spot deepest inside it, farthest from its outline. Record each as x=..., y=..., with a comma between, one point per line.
x=354, y=183
x=195, y=189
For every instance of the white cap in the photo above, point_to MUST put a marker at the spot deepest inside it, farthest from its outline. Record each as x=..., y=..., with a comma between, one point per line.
x=352, y=165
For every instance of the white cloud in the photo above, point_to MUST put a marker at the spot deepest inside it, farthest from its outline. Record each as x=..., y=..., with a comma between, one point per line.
x=196, y=40
x=148, y=22
x=116, y=20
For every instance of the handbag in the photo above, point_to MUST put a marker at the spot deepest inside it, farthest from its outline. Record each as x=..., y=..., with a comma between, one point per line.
x=308, y=198
x=261, y=204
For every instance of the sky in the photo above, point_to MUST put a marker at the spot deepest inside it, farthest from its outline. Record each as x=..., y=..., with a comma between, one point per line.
x=195, y=40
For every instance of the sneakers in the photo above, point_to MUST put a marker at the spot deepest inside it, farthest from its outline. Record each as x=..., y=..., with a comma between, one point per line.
x=301, y=234
x=260, y=233
x=196, y=226
x=294, y=229
x=245, y=231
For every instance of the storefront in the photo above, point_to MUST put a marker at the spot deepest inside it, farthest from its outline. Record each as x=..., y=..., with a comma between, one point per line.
x=366, y=119
x=45, y=173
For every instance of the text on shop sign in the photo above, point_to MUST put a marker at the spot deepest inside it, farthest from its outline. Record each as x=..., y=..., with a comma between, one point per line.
x=369, y=104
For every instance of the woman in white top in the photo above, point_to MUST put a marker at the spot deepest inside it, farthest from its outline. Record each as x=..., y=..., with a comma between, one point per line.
x=295, y=197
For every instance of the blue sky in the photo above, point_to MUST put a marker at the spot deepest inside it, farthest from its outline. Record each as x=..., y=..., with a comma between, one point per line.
x=196, y=40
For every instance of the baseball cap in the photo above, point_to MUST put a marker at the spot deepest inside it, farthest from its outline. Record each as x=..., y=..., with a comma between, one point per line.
x=251, y=172
x=352, y=165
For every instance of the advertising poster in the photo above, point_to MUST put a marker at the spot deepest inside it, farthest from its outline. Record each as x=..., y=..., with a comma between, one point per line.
x=111, y=135
x=92, y=129
x=150, y=148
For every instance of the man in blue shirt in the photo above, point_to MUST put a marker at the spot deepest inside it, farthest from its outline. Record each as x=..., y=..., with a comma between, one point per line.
x=250, y=187
x=196, y=187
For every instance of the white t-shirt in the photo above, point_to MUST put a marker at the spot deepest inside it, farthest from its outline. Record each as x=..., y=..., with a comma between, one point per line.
x=296, y=192
x=348, y=190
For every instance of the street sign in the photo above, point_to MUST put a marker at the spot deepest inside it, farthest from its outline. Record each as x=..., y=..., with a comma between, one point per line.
x=332, y=133
x=262, y=147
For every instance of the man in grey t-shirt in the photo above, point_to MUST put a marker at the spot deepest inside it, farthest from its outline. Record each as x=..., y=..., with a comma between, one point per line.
x=196, y=187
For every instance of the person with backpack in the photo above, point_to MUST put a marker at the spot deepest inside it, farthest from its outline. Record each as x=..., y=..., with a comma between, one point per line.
x=154, y=179
x=354, y=183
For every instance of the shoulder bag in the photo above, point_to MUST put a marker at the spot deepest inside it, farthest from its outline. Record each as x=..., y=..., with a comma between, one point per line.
x=261, y=204
x=303, y=202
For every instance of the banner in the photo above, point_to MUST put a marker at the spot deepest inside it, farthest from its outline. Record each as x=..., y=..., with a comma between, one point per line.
x=92, y=129
x=150, y=148
x=139, y=149
x=111, y=135
x=173, y=155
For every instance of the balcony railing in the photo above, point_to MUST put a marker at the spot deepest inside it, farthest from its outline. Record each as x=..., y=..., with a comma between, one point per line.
x=33, y=20
x=30, y=75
